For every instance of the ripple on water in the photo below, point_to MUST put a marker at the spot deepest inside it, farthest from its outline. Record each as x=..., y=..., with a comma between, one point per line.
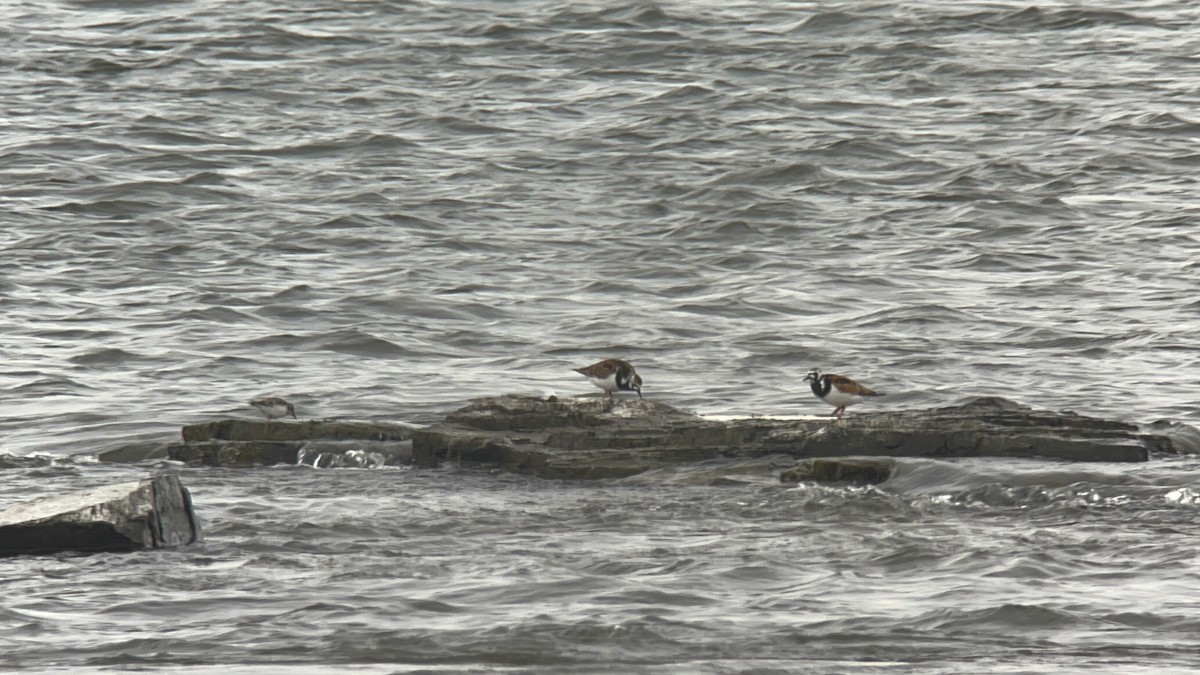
x=451, y=201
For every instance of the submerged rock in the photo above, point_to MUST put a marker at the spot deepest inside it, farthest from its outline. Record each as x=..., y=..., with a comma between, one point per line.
x=591, y=438
x=1185, y=439
x=152, y=513
x=856, y=470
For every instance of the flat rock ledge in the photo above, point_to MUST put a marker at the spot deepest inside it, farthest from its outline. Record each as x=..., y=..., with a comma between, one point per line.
x=321, y=443
x=152, y=513
x=591, y=438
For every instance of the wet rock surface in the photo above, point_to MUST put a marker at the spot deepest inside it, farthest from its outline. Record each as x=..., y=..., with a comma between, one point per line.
x=325, y=443
x=152, y=513
x=582, y=438
x=592, y=438
x=133, y=453
x=303, y=430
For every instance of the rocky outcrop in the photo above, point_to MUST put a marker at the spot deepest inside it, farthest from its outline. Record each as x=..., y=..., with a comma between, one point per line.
x=153, y=513
x=323, y=443
x=592, y=438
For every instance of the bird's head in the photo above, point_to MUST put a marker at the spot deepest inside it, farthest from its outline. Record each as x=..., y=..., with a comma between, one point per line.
x=636, y=384
x=813, y=375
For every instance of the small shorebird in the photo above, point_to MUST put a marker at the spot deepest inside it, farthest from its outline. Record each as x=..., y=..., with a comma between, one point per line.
x=274, y=407
x=836, y=390
x=613, y=375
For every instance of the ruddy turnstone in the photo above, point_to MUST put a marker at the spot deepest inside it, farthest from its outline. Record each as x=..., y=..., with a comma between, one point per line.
x=836, y=390
x=613, y=375
x=274, y=407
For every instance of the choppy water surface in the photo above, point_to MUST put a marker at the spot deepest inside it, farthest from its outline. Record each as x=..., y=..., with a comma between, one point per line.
x=383, y=209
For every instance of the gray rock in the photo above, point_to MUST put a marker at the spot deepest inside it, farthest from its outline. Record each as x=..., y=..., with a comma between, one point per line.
x=303, y=430
x=323, y=443
x=152, y=513
x=592, y=438
x=133, y=453
x=320, y=443
x=237, y=454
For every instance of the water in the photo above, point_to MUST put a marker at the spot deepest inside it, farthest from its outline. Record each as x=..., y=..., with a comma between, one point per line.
x=380, y=210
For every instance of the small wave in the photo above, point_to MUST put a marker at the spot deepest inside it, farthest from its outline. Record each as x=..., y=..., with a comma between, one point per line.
x=297, y=293
x=795, y=173
x=1184, y=496
x=52, y=386
x=463, y=125
x=1185, y=438
x=654, y=597
x=223, y=315
x=105, y=357
x=930, y=475
x=494, y=30
x=915, y=315
x=337, y=146
x=28, y=461
x=830, y=22
x=1033, y=18
x=363, y=455
x=1041, y=337
x=112, y=208
x=870, y=150
x=975, y=484
x=646, y=15
x=1159, y=123
x=360, y=343
x=1008, y=616
x=687, y=92
x=632, y=15
x=1024, y=497
x=288, y=312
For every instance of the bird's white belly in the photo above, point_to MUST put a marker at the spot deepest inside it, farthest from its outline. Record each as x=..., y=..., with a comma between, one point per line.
x=838, y=398
x=607, y=384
